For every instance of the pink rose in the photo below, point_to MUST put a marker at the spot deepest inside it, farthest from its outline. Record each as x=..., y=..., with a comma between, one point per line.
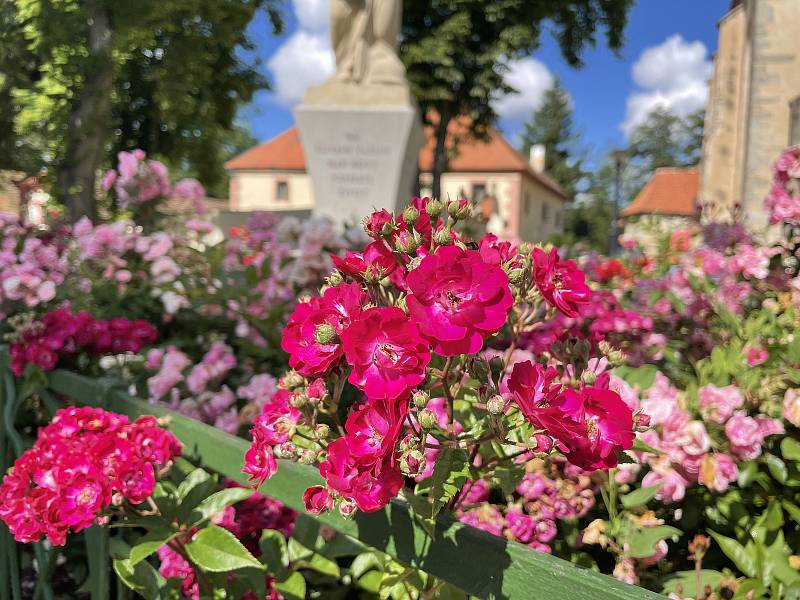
x=720, y=403
x=458, y=300
x=755, y=355
x=791, y=407
x=745, y=436
x=386, y=352
x=561, y=283
x=312, y=351
x=718, y=471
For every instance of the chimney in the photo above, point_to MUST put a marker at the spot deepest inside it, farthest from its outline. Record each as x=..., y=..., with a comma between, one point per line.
x=536, y=158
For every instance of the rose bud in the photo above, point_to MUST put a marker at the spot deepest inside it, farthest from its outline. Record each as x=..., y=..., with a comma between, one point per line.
x=420, y=399
x=347, y=508
x=317, y=500
x=412, y=463
x=434, y=208
x=427, y=419
x=443, y=237
x=495, y=405
x=410, y=215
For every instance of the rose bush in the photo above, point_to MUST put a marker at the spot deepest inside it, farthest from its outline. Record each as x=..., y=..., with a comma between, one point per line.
x=637, y=415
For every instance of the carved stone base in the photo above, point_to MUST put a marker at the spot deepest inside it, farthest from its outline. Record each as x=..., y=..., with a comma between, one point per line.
x=335, y=92
x=359, y=158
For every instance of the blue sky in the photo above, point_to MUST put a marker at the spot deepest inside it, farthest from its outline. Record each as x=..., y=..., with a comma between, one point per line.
x=665, y=60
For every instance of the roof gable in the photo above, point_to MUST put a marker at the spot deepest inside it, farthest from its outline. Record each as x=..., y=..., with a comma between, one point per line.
x=670, y=191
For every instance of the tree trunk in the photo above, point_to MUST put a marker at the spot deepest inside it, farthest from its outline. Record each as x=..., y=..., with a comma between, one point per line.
x=89, y=118
x=440, y=152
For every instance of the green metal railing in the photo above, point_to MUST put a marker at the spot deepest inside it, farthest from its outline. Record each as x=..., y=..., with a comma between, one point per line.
x=479, y=563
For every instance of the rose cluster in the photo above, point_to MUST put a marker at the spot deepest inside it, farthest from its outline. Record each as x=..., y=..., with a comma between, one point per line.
x=84, y=463
x=137, y=180
x=783, y=200
x=406, y=319
x=32, y=266
x=205, y=390
x=702, y=447
x=61, y=334
x=550, y=491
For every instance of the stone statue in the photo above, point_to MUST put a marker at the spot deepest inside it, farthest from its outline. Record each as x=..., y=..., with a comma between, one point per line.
x=364, y=36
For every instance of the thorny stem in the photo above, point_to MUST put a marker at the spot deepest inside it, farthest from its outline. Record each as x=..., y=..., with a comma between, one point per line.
x=449, y=395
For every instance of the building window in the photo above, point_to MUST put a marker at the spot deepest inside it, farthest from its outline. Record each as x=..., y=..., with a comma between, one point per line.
x=526, y=204
x=478, y=191
x=558, y=218
x=545, y=212
x=282, y=191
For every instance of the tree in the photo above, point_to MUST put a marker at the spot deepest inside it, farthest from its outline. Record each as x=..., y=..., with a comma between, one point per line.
x=552, y=126
x=456, y=53
x=164, y=76
x=664, y=139
x=17, y=68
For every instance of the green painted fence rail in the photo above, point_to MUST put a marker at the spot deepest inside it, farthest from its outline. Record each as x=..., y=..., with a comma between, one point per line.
x=479, y=563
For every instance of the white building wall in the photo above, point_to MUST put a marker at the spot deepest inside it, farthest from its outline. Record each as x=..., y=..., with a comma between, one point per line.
x=258, y=190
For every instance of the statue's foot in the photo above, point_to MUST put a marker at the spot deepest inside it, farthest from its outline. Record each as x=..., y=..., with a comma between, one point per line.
x=384, y=67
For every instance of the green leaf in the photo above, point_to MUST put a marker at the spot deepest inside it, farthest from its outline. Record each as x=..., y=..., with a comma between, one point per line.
x=640, y=497
x=320, y=564
x=368, y=561
x=141, y=578
x=449, y=474
x=792, y=509
x=747, y=473
x=215, y=549
x=790, y=449
x=508, y=477
x=686, y=581
x=306, y=531
x=777, y=468
x=643, y=376
x=294, y=588
x=422, y=507
x=642, y=542
x=215, y=503
x=640, y=446
x=151, y=542
x=196, y=487
x=273, y=551
x=792, y=592
x=741, y=557
x=191, y=481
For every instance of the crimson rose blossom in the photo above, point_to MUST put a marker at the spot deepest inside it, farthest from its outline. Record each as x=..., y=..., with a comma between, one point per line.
x=458, y=300
x=386, y=352
x=561, y=283
x=375, y=262
x=361, y=466
x=337, y=307
x=590, y=424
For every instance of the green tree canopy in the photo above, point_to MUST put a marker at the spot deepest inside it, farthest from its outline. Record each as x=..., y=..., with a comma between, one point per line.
x=457, y=51
x=108, y=75
x=552, y=126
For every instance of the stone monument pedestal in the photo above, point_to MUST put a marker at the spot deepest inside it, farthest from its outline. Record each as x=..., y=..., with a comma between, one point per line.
x=359, y=157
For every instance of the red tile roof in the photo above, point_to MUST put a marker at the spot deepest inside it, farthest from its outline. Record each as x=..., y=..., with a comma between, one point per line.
x=285, y=152
x=670, y=191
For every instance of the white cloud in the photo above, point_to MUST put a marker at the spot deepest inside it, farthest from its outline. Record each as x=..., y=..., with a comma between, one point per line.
x=673, y=75
x=531, y=79
x=306, y=58
x=312, y=15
